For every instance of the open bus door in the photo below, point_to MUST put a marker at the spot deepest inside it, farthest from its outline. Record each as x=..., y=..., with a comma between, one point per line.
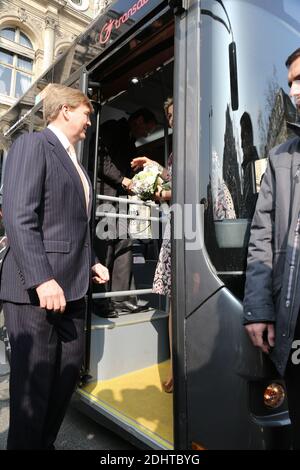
x=127, y=357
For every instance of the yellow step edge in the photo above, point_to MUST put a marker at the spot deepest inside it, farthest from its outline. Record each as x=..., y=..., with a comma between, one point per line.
x=123, y=390
x=127, y=420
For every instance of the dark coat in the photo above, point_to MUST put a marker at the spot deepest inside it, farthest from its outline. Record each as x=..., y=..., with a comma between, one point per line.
x=46, y=220
x=116, y=150
x=272, y=291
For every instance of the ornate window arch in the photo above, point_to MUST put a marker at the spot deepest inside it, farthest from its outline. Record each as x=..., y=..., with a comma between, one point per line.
x=80, y=5
x=16, y=61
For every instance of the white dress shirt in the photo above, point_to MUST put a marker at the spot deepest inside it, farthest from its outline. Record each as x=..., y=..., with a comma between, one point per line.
x=71, y=151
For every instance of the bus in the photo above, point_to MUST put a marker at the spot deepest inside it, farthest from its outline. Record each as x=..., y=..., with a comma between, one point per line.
x=223, y=63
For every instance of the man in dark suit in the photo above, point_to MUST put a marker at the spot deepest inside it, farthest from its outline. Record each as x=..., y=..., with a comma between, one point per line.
x=117, y=148
x=47, y=268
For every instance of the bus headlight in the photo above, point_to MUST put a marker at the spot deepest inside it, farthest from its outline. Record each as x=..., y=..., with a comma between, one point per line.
x=274, y=395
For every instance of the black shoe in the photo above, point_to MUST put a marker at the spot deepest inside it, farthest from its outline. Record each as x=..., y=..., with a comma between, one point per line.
x=107, y=313
x=104, y=309
x=127, y=306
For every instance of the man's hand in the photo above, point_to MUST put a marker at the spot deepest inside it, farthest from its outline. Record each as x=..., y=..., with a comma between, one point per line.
x=100, y=274
x=51, y=296
x=262, y=335
x=126, y=183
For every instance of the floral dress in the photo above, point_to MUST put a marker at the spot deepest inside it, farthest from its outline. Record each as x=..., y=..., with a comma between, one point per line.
x=162, y=276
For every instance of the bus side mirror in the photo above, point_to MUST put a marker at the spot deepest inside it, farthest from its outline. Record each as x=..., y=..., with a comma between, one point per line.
x=233, y=77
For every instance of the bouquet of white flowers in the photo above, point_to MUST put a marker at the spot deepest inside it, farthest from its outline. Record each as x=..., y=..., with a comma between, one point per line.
x=144, y=183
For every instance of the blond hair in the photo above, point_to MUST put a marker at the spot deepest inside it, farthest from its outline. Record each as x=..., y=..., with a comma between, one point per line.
x=56, y=95
x=167, y=104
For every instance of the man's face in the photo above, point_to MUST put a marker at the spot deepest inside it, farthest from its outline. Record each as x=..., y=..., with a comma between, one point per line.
x=294, y=81
x=78, y=122
x=139, y=128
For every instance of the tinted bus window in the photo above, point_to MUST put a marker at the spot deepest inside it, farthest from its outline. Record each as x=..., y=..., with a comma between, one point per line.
x=235, y=144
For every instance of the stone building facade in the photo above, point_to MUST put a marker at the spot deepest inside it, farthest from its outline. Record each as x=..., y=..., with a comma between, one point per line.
x=33, y=34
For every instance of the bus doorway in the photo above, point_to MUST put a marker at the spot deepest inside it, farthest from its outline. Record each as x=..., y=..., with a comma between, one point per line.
x=127, y=350
x=219, y=378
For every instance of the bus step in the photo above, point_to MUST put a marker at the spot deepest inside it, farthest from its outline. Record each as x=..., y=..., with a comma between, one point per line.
x=128, y=343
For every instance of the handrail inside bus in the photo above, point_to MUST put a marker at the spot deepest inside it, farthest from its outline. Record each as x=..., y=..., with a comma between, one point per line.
x=124, y=200
x=121, y=293
x=127, y=216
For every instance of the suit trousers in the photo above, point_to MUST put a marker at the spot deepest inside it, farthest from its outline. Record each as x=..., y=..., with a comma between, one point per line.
x=119, y=262
x=116, y=255
x=46, y=356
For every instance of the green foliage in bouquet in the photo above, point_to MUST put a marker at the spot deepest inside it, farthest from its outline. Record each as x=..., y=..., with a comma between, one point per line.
x=165, y=185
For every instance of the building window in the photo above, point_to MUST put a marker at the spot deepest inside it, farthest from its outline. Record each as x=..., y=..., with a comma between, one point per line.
x=80, y=4
x=16, y=62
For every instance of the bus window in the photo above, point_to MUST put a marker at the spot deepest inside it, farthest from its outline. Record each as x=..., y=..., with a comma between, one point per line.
x=144, y=242
x=240, y=140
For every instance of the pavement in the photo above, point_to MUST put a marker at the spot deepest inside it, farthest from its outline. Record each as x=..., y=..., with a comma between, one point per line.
x=78, y=432
x=4, y=405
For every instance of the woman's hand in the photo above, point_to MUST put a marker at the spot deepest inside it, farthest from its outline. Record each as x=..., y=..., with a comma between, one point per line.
x=157, y=194
x=162, y=194
x=139, y=162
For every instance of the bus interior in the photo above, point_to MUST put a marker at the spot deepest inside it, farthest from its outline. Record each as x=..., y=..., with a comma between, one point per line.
x=129, y=355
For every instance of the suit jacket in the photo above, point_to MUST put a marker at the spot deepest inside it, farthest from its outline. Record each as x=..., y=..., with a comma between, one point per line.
x=116, y=150
x=46, y=220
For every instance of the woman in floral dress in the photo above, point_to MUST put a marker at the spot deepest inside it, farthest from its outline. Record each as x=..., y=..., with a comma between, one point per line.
x=162, y=276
